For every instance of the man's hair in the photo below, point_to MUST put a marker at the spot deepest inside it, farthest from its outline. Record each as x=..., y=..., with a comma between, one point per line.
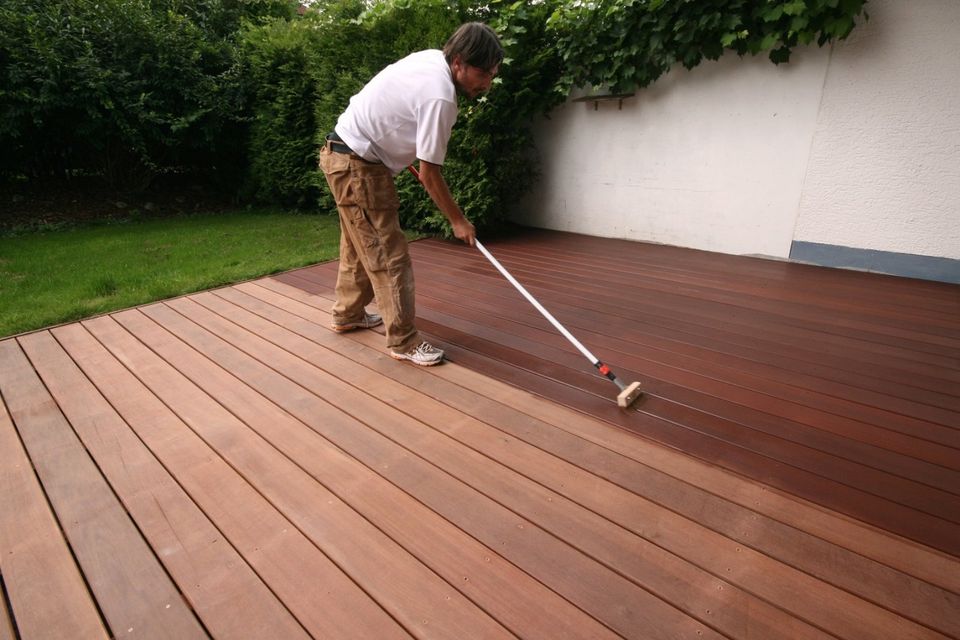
x=476, y=44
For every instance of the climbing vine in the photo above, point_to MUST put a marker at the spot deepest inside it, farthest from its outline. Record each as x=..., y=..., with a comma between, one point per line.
x=624, y=44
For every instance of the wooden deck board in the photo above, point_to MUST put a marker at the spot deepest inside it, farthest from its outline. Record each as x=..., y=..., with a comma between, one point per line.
x=230, y=597
x=132, y=589
x=398, y=582
x=539, y=554
x=773, y=538
x=496, y=584
x=809, y=408
x=680, y=537
x=46, y=589
x=6, y=624
x=390, y=452
x=792, y=471
x=309, y=585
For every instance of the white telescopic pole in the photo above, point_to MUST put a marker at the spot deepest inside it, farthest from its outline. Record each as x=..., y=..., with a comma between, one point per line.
x=546, y=314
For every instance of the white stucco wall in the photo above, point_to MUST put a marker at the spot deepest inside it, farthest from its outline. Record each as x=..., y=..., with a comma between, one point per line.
x=884, y=170
x=855, y=145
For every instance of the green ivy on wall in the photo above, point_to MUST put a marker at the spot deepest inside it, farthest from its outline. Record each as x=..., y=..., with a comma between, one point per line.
x=624, y=44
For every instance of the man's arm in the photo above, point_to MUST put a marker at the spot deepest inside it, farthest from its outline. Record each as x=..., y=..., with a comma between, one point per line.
x=436, y=186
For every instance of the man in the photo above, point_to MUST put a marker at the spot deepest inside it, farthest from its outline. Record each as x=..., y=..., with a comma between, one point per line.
x=405, y=113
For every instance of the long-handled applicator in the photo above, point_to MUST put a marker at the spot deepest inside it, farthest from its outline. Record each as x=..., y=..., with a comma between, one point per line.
x=628, y=392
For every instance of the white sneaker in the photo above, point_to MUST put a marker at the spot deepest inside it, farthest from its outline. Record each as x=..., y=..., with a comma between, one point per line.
x=425, y=355
x=369, y=321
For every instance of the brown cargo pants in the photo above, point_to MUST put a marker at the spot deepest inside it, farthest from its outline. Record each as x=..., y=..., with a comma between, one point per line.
x=374, y=259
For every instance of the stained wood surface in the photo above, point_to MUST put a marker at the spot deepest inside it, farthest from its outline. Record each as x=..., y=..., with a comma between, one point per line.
x=6, y=625
x=44, y=586
x=225, y=465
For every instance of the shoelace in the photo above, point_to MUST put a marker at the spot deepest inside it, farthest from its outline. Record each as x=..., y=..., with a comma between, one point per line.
x=427, y=349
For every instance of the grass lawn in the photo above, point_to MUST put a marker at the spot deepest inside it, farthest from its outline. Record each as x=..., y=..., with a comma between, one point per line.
x=52, y=277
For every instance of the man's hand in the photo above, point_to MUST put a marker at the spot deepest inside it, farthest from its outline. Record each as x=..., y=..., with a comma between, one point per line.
x=437, y=187
x=464, y=230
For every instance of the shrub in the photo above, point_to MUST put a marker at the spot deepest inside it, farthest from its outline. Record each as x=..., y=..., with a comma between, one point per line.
x=326, y=57
x=122, y=88
x=279, y=58
x=491, y=160
x=304, y=72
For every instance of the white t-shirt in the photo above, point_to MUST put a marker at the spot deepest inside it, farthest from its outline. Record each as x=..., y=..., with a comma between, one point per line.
x=405, y=112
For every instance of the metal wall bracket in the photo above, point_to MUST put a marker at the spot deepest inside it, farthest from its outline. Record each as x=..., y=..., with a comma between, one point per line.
x=606, y=97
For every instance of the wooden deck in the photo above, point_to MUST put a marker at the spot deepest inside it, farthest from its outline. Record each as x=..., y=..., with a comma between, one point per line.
x=223, y=465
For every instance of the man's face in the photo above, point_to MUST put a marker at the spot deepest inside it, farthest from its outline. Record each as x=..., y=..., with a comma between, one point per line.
x=472, y=81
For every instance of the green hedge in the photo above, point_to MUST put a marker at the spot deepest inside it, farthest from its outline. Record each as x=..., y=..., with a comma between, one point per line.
x=123, y=88
x=306, y=70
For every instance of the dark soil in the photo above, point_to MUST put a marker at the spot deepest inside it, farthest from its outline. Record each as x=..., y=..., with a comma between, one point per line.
x=55, y=204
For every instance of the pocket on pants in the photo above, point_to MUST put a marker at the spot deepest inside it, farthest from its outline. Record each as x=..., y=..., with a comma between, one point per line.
x=375, y=190
x=378, y=213
x=336, y=169
x=366, y=237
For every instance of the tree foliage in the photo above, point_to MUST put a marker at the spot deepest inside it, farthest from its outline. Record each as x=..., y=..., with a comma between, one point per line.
x=303, y=73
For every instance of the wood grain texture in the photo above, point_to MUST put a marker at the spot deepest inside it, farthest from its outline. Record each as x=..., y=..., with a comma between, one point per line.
x=46, y=589
x=135, y=594
x=228, y=597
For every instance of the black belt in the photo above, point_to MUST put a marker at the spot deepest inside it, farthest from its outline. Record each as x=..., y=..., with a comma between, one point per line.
x=337, y=145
